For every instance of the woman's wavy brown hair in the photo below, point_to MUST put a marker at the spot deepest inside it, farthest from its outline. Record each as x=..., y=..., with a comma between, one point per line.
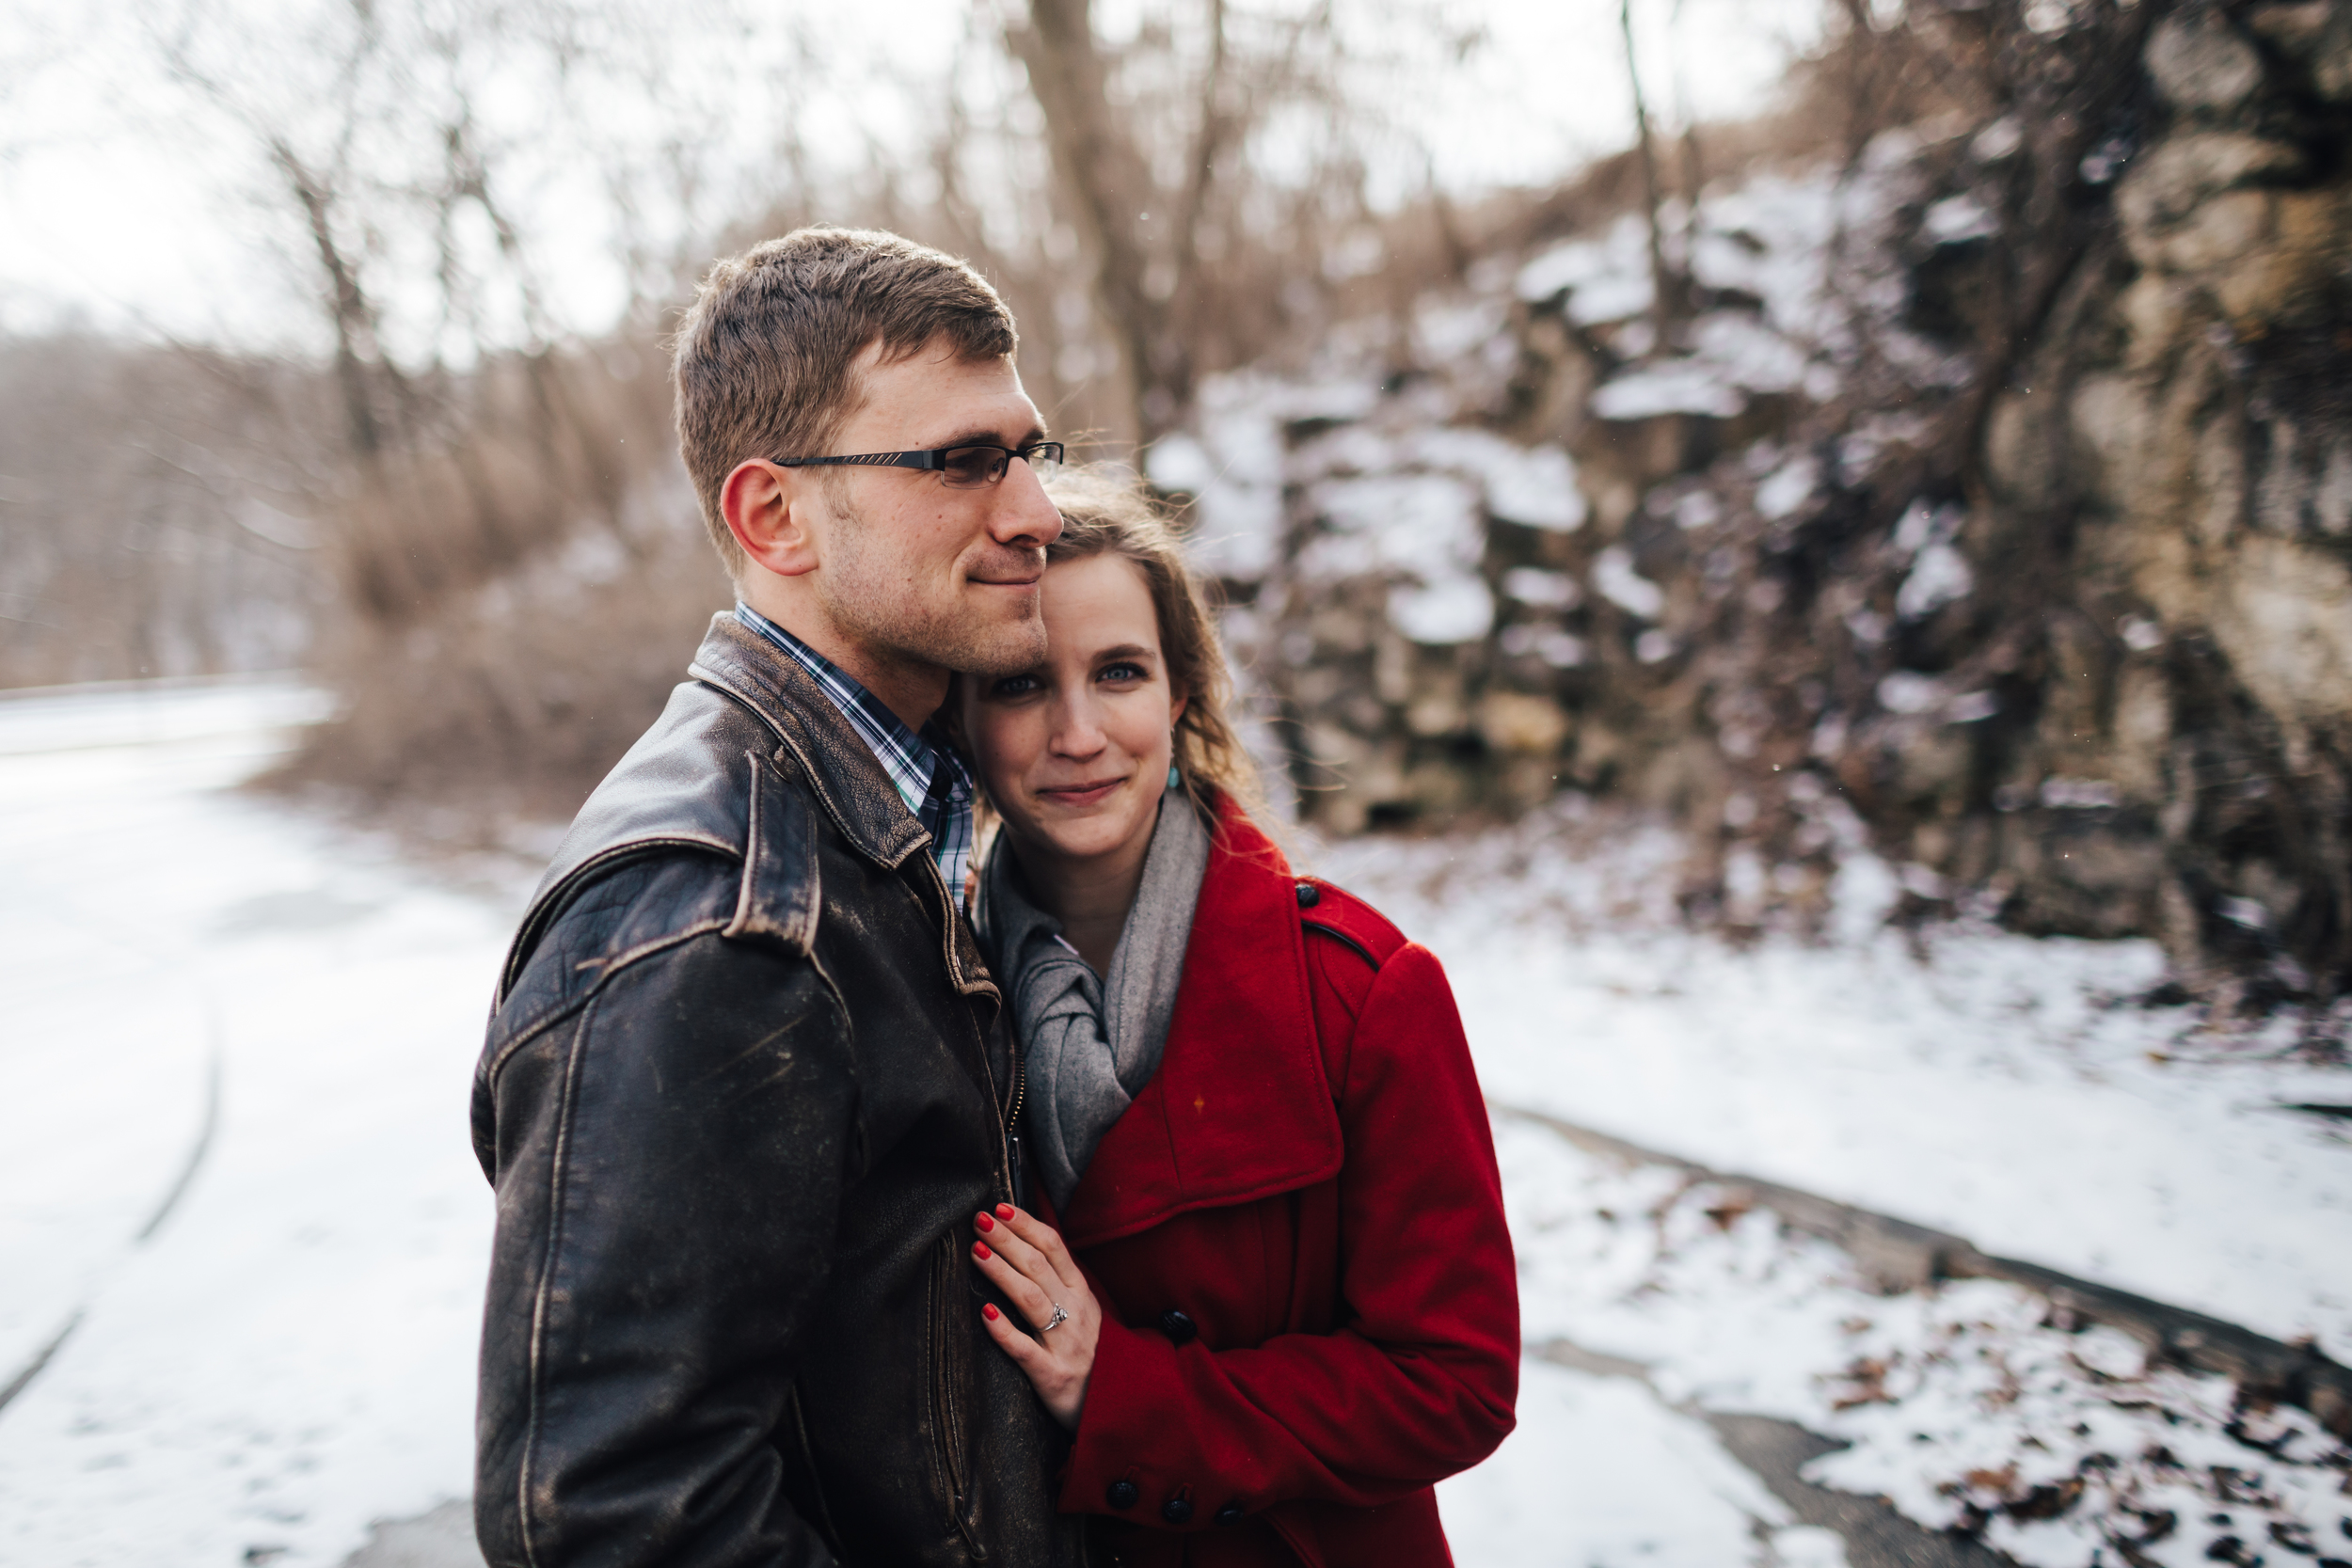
x=1104, y=511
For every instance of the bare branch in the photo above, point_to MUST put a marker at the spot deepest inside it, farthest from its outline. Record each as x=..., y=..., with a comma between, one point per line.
x=1665, y=292
x=1218, y=124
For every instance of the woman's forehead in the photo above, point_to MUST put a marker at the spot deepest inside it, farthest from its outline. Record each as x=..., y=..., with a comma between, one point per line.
x=1097, y=601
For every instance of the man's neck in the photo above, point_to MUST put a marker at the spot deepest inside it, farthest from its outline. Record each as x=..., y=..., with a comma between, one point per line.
x=911, y=688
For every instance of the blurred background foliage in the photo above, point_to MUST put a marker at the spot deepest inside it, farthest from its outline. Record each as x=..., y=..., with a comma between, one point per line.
x=1951, y=460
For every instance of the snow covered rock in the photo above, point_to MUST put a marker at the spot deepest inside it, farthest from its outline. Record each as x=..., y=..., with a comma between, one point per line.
x=2005, y=452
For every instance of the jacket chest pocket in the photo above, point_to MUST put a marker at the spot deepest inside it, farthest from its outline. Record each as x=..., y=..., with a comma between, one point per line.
x=949, y=1375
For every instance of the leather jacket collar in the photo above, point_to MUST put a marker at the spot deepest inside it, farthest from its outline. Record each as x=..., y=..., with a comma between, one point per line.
x=849, y=781
x=698, y=784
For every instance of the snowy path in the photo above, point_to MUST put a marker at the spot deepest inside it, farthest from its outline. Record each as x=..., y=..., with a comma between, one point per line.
x=289, y=1355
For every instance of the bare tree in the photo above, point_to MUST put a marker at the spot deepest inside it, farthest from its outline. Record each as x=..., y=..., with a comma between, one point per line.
x=477, y=428
x=1199, y=253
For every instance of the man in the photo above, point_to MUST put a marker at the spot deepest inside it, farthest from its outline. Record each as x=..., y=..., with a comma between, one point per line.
x=746, y=1086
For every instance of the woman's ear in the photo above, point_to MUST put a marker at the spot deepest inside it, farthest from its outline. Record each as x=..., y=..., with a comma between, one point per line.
x=1178, y=697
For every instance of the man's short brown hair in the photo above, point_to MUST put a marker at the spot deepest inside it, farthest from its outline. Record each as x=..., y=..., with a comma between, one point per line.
x=764, y=356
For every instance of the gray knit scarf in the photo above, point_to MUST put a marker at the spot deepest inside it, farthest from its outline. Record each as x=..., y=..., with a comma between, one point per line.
x=1093, y=1042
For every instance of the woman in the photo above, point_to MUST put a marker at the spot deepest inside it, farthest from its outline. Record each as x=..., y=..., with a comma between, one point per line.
x=1273, y=1299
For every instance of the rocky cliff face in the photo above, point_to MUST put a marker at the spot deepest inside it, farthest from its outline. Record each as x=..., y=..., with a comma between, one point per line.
x=2197, y=433
x=1987, y=496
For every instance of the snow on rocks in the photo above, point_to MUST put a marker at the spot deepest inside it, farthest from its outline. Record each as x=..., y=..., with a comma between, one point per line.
x=1675, y=386
x=1618, y=582
x=1367, y=507
x=1788, y=487
x=1450, y=610
x=1390, y=497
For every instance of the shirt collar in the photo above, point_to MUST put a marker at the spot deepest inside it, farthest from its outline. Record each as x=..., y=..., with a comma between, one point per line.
x=922, y=765
x=911, y=757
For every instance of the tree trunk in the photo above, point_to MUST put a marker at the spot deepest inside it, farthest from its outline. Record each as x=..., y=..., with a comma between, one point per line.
x=1108, y=192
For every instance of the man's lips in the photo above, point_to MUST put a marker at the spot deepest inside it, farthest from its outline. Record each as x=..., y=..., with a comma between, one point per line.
x=1007, y=569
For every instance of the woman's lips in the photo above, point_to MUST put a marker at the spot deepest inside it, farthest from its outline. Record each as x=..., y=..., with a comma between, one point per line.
x=1081, y=795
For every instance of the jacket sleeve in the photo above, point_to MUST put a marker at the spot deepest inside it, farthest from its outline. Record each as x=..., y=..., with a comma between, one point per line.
x=669, y=1159
x=1417, y=1381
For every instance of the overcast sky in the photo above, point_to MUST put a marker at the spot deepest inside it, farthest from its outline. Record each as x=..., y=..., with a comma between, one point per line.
x=128, y=207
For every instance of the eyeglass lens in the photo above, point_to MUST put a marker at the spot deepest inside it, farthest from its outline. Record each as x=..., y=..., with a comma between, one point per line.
x=963, y=467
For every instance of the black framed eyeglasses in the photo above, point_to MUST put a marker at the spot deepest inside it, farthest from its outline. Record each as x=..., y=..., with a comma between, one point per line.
x=965, y=468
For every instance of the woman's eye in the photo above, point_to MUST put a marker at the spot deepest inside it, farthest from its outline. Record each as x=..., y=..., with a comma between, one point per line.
x=1124, y=671
x=1014, y=686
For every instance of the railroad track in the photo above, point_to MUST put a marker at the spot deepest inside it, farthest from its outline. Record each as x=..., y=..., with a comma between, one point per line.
x=1901, y=1256
x=200, y=1147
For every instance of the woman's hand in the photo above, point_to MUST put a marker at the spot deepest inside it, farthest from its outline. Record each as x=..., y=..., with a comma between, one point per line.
x=1025, y=1259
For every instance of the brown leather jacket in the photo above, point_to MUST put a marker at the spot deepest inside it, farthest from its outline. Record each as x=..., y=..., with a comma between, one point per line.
x=743, y=1091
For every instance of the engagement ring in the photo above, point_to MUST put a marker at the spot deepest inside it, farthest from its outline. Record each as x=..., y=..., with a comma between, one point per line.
x=1055, y=1322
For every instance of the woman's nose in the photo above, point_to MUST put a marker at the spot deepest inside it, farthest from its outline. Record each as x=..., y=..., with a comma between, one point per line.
x=1078, y=732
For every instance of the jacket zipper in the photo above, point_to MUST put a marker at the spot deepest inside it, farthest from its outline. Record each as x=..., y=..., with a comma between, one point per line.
x=949, y=1296
x=1019, y=1179
x=946, y=1409
x=1013, y=1185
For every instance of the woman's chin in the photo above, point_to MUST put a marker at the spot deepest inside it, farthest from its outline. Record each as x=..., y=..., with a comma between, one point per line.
x=1087, y=832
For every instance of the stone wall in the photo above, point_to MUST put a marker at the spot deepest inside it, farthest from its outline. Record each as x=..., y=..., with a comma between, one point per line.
x=1988, y=496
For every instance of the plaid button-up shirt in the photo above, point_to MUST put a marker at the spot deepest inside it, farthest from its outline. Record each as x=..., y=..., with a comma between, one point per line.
x=928, y=775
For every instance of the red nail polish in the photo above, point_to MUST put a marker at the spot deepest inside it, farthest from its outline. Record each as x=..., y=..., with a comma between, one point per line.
x=1004, y=1211
x=988, y=1310
x=985, y=1223
x=979, y=1250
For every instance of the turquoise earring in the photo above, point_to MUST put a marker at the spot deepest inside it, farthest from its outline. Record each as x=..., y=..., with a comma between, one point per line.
x=1174, y=777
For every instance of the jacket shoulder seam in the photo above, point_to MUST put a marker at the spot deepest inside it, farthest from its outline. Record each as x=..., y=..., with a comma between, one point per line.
x=547, y=908
x=609, y=968
x=1340, y=913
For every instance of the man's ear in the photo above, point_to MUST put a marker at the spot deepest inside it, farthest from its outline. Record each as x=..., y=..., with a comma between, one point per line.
x=769, y=509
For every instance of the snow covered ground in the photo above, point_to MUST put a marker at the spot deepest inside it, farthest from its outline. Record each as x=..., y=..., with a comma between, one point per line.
x=1984, y=1084
x=288, y=1354
x=1970, y=1405
x=233, y=1159
x=2006, y=1089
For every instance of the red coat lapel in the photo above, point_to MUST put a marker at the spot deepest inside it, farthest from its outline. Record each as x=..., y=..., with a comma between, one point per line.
x=1240, y=1108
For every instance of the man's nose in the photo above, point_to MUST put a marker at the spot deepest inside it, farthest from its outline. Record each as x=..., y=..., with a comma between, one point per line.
x=1022, y=513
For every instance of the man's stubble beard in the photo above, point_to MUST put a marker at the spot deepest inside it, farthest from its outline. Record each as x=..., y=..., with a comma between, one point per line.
x=859, y=593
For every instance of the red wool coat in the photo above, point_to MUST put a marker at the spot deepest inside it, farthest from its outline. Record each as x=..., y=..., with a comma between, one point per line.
x=1311, y=1311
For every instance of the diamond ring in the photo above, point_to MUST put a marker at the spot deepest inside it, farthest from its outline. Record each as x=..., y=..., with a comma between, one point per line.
x=1055, y=1322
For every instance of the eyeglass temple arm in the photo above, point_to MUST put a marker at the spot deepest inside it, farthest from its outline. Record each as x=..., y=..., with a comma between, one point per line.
x=867, y=460
x=935, y=457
